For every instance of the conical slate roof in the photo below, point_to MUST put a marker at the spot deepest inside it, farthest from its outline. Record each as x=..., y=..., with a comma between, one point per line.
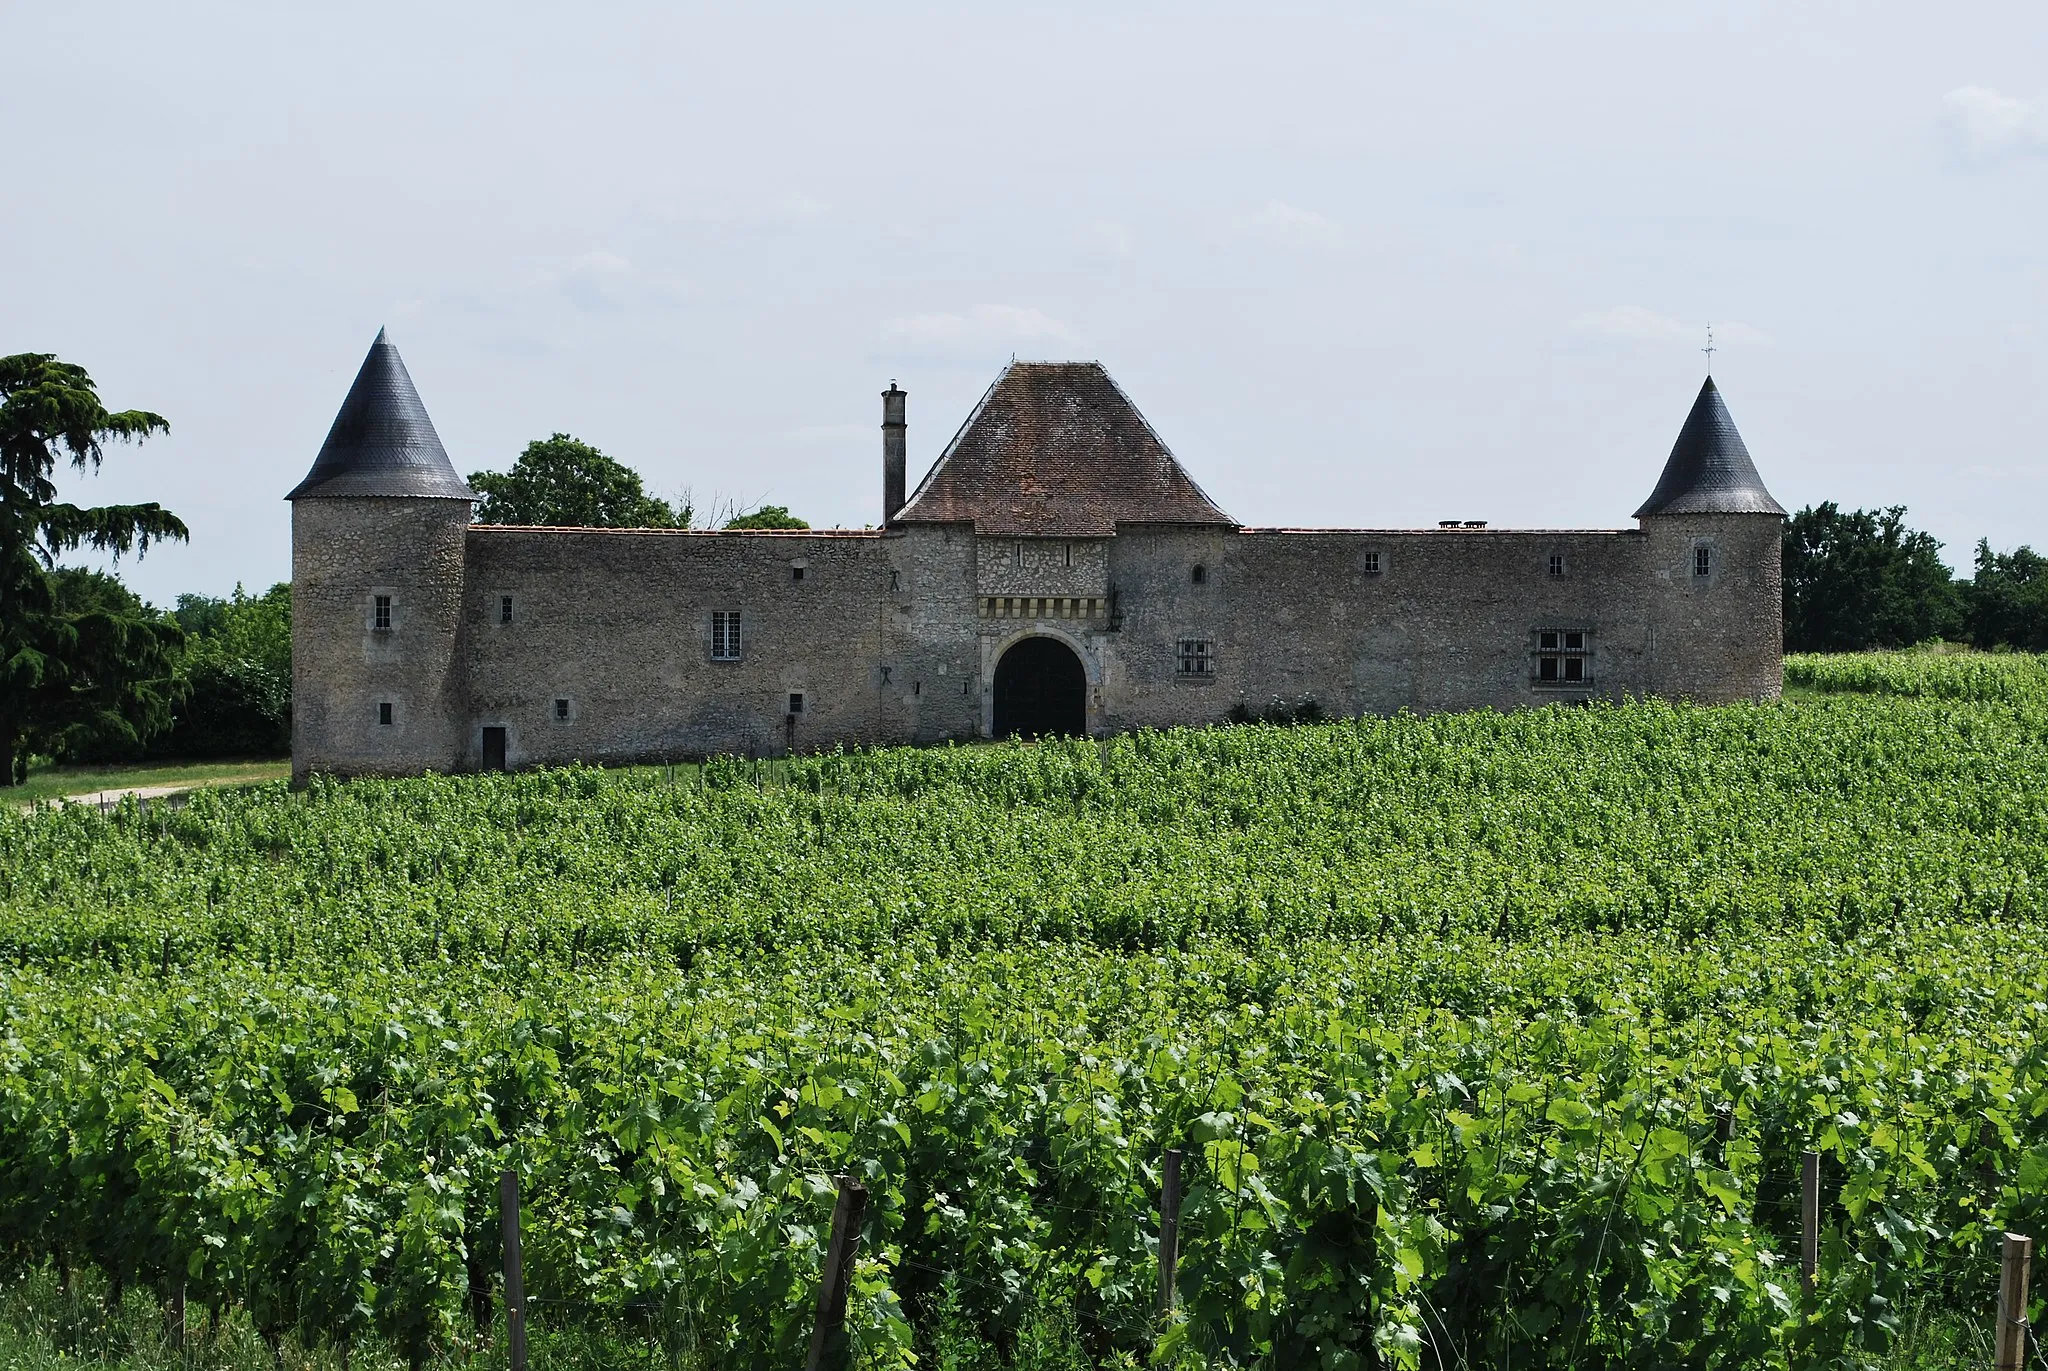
x=1709, y=471
x=1056, y=449
x=382, y=442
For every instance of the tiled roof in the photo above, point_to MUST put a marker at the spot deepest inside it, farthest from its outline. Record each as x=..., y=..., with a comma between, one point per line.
x=1056, y=449
x=382, y=442
x=1709, y=471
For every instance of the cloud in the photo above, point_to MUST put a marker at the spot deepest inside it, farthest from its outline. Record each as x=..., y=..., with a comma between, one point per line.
x=1281, y=225
x=1987, y=125
x=1634, y=323
x=979, y=327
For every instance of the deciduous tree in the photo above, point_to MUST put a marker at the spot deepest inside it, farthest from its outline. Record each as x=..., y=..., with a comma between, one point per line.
x=564, y=482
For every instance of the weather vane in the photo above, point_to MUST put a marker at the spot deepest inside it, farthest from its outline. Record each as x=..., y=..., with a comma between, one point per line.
x=1709, y=349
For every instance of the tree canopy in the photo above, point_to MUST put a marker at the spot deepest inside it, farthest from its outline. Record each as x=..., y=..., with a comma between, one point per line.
x=767, y=516
x=1862, y=579
x=75, y=657
x=564, y=482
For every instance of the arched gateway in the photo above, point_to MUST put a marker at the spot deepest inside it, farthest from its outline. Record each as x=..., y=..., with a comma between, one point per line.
x=1041, y=690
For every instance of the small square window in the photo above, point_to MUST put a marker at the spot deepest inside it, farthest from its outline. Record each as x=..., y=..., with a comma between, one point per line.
x=1702, y=561
x=504, y=609
x=725, y=635
x=1557, y=564
x=1195, y=657
x=384, y=713
x=1547, y=642
x=796, y=702
x=561, y=709
x=1574, y=642
x=380, y=613
x=796, y=573
x=1371, y=564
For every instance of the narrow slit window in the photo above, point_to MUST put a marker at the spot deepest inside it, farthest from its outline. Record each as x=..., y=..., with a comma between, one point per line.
x=725, y=635
x=380, y=613
x=384, y=713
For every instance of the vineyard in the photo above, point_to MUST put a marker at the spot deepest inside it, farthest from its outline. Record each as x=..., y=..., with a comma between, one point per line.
x=1488, y=1040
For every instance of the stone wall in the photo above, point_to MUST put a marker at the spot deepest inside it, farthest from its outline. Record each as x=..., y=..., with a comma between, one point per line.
x=344, y=554
x=889, y=637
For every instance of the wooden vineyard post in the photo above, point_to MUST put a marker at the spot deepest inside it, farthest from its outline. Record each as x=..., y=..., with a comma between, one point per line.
x=828, y=1334
x=1809, y=1219
x=515, y=1278
x=1169, y=1226
x=2009, y=1340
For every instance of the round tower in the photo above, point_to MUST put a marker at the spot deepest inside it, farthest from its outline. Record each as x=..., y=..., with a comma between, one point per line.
x=1717, y=615
x=378, y=528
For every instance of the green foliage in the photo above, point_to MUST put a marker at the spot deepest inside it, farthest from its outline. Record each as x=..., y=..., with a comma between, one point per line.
x=1442, y=1011
x=1862, y=579
x=564, y=482
x=236, y=671
x=68, y=674
x=767, y=516
x=2009, y=599
x=110, y=679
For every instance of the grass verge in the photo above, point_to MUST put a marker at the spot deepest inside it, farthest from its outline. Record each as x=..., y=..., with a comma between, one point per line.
x=58, y=782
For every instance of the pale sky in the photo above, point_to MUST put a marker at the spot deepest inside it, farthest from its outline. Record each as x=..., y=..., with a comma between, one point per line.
x=1360, y=265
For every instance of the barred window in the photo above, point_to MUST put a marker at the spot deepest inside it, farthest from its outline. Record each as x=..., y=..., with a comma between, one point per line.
x=380, y=613
x=1702, y=561
x=1195, y=657
x=504, y=609
x=561, y=709
x=1371, y=563
x=1557, y=564
x=1563, y=657
x=725, y=635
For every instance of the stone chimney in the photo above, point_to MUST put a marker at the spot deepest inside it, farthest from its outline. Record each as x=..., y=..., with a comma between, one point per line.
x=895, y=453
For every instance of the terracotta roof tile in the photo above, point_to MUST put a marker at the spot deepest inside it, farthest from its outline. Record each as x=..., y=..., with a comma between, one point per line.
x=1056, y=449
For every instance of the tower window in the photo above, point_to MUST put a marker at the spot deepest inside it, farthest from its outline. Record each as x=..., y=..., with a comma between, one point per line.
x=561, y=709
x=796, y=702
x=1201, y=574
x=1195, y=658
x=796, y=573
x=1557, y=564
x=504, y=609
x=1703, y=561
x=1370, y=563
x=1563, y=657
x=725, y=635
x=384, y=713
x=380, y=613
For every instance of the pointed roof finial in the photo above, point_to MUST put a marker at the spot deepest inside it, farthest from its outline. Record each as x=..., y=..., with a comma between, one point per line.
x=1709, y=350
x=382, y=442
x=1709, y=470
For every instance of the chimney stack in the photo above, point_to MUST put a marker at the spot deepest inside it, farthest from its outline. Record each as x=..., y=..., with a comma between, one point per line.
x=895, y=453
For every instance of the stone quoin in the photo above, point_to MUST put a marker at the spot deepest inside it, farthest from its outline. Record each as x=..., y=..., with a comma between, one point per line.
x=1056, y=571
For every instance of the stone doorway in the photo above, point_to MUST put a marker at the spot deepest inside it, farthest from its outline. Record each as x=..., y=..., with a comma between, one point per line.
x=1041, y=691
x=494, y=749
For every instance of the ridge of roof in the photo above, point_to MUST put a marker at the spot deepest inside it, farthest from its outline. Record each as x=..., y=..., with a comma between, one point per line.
x=382, y=443
x=1709, y=470
x=1058, y=449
